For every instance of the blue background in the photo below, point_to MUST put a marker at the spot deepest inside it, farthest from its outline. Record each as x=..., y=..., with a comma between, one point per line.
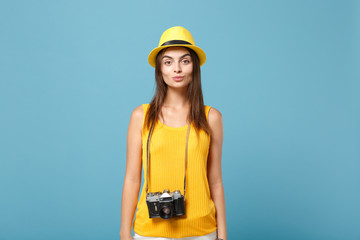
x=284, y=74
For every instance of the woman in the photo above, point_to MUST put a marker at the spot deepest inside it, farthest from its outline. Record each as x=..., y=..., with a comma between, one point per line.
x=185, y=144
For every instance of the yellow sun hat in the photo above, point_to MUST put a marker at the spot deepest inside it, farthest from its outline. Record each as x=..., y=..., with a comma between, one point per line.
x=176, y=36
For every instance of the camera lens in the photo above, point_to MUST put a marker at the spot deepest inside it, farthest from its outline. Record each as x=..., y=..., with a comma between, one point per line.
x=165, y=211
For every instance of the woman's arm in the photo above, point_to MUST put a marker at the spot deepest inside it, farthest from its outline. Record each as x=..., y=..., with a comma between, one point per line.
x=132, y=180
x=214, y=171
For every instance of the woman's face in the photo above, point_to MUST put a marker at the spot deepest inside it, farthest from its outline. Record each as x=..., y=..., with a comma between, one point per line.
x=177, y=67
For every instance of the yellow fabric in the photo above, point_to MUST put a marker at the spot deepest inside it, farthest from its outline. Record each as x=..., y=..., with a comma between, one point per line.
x=167, y=169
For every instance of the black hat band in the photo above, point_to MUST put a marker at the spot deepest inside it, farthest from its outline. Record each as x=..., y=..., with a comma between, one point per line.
x=172, y=42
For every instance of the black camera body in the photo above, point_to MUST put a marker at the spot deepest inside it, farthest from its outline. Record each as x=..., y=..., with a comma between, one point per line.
x=166, y=204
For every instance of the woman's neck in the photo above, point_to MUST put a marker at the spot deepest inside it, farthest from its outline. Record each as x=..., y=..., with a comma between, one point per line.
x=176, y=98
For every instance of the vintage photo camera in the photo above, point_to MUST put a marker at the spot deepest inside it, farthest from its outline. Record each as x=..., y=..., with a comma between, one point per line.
x=166, y=204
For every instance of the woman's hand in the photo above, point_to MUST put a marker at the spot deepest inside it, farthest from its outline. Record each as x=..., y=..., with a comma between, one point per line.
x=127, y=237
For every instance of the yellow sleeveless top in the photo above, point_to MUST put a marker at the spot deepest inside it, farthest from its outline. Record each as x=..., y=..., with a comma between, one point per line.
x=167, y=169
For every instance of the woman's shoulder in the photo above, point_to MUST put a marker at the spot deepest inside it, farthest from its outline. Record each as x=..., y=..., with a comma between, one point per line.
x=212, y=110
x=214, y=114
x=138, y=112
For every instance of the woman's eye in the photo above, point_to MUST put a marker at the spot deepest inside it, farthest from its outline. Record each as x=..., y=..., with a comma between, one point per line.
x=186, y=61
x=167, y=62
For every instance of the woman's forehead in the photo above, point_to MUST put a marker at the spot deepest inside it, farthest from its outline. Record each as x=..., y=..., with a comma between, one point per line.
x=175, y=51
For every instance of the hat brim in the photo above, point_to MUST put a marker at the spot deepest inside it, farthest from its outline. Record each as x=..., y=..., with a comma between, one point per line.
x=152, y=56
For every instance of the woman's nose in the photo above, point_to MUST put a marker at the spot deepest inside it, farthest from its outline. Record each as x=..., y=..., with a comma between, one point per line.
x=177, y=67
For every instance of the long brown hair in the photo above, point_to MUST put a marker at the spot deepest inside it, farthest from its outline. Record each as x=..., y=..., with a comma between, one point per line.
x=194, y=95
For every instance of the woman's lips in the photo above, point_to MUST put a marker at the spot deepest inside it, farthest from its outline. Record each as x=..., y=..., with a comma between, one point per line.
x=178, y=78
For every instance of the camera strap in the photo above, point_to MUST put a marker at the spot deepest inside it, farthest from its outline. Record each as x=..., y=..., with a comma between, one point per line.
x=148, y=154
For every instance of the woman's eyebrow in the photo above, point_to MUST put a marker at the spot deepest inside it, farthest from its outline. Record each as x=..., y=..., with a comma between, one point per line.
x=187, y=54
